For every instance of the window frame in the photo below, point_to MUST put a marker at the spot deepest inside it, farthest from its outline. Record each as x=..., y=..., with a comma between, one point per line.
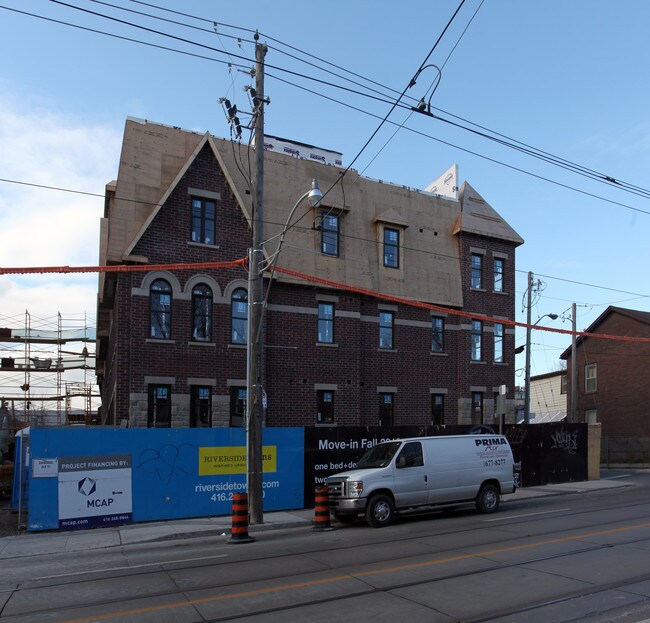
x=160, y=312
x=564, y=380
x=241, y=320
x=389, y=245
x=438, y=331
x=591, y=380
x=476, y=275
x=385, y=330
x=499, y=342
x=200, y=406
x=386, y=409
x=330, y=233
x=200, y=223
x=325, y=415
x=323, y=335
x=205, y=317
x=477, y=341
x=499, y=267
x=152, y=405
x=238, y=396
x=437, y=409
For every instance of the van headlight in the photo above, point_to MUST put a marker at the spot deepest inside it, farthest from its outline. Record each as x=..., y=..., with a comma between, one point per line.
x=355, y=488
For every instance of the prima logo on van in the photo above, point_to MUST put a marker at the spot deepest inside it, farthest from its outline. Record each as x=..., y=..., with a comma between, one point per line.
x=492, y=441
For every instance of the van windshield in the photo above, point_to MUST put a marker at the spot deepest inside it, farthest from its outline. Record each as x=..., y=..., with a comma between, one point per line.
x=379, y=456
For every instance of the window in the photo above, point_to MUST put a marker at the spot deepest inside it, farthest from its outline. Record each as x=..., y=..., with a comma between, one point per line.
x=477, y=408
x=239, y=316
x=385, y=409
x=437, y=334
x=201, y=313
x=200, y=407
x=326, y=323
x=329, y=239
x=160, y=308
x=477, y=271
x=563, y=384
x=477, y=335
x=391, y=248
x=386, y=322
x=410, y=456
x=237, y=407
x=499, y=264
x=325, y=413
x=591, y=416
x=159, y=408
x=203, y=219
x=437, y=409
x=590, y=377
x=498, y=343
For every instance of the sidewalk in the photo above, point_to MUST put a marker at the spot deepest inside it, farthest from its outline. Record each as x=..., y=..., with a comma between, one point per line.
x=40, y=543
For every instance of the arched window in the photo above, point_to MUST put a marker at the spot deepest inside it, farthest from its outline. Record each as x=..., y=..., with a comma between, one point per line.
x=239, y=316
x=201, y=313
x=160, y=310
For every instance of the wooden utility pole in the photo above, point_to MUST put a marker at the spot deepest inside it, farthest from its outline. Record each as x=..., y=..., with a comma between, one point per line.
x=254, y=385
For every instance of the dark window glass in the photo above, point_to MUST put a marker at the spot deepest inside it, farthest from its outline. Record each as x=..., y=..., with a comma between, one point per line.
x=410, y=456
x=203, y=221
x=159, y=408
x=326, y=323
x=498, y=343
x=499, y=265
x=477, y=270
x=201, y=313
x=477, y=336
x=386, y=322
x=237, y=407
x=385, y=409
x=160, y=308
x=437, y=334
x=477, y=408
x=239, y=322
x=325, y=413
x=437, y=409
x=391, y=248
x=200, y=407
x=329, y=242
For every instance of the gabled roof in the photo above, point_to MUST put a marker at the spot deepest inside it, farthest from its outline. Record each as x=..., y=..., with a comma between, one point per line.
x=478, y=217
x=633, y=314
x=155, y=157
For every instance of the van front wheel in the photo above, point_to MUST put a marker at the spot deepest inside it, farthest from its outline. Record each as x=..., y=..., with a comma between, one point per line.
x=380, y=511
x=488, y=498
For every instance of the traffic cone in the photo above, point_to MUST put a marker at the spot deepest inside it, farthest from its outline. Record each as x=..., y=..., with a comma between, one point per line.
x=239, y=532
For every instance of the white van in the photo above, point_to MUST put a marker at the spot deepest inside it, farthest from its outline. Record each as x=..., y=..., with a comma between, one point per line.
x=435, y=472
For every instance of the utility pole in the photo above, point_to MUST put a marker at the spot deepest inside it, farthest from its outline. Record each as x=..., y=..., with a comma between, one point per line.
x=573, y=413
x=254, y=387
x=528, y=331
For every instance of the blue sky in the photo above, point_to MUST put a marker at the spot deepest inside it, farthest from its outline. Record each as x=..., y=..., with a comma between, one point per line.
x=570, y=78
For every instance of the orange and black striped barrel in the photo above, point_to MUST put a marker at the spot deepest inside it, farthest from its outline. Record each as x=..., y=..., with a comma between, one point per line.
x=321, y=509
x=239, y=532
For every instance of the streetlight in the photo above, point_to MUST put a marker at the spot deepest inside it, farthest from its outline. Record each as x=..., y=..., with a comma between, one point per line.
x=527, y=347
x=254, y=385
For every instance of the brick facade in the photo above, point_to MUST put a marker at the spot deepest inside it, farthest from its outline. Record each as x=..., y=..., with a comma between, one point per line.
x=295, y=364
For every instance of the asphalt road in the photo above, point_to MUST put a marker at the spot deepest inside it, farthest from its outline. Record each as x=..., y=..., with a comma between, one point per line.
x=579, y=557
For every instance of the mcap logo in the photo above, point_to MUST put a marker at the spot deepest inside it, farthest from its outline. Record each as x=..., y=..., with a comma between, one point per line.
x=87, y=486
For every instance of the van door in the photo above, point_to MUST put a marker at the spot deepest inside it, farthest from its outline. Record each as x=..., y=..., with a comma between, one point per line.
x=411, y=480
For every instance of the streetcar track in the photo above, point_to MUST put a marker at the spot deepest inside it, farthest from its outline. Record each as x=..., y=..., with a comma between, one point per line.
x=360, y=575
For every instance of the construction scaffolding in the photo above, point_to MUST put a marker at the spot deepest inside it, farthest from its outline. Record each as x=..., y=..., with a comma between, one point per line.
x=46, y=370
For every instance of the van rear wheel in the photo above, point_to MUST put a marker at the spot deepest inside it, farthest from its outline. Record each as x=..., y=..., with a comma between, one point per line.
x=488, y=498
x=380, y=510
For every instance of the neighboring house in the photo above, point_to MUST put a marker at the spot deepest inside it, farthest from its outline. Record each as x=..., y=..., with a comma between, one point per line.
x=612, y=387
x=172, y=342
x=548, y=398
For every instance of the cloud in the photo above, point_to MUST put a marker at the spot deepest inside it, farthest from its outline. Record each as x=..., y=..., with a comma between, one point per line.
x=42, y=227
